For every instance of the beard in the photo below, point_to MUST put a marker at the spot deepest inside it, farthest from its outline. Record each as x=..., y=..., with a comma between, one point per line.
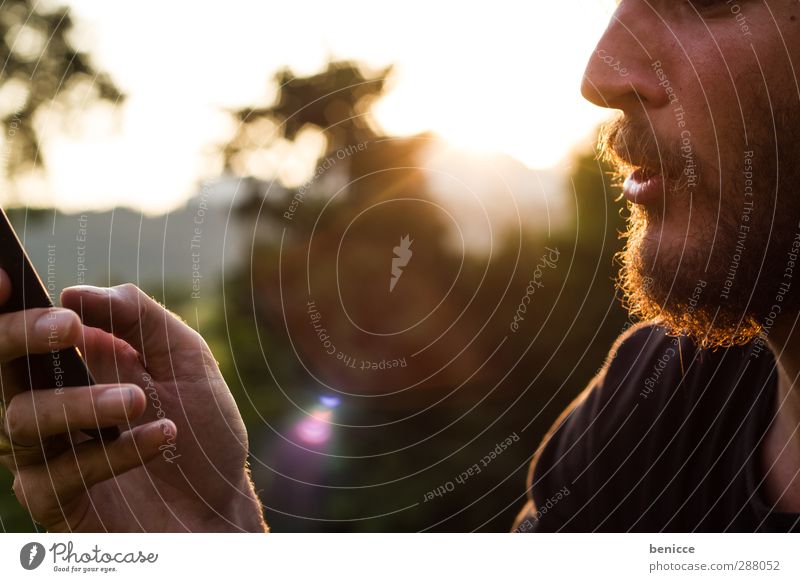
x=712, y=261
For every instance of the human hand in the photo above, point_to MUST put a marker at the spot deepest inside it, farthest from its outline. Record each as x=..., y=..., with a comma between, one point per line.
x=180, y=462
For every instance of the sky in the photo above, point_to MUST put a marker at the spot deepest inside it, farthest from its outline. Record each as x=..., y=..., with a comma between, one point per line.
x=182, y=64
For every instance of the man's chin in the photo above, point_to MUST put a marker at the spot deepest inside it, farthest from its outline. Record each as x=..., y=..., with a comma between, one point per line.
x=665, y=281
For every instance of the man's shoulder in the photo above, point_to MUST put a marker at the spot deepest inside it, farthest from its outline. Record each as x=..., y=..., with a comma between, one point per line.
x=645, y=362
x=652, y=387
x=651, y=362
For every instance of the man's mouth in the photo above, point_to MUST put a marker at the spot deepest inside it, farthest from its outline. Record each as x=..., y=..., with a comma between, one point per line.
x=643, y=186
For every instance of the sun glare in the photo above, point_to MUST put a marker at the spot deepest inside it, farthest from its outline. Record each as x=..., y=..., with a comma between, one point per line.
x=504, y=79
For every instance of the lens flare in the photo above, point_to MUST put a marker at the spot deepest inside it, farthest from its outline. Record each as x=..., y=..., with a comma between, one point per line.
x=330, y=401
x=315, y=429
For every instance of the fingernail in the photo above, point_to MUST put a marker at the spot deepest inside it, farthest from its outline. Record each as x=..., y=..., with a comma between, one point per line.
x=115, y=400
x=161, y=430
x=55, y=323
x=91, y=289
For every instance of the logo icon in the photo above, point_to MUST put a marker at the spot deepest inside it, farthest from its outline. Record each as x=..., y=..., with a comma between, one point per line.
x=402, y=256
x=31, y=555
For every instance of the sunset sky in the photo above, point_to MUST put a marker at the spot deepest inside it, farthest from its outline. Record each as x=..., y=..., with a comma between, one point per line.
x=182, y=63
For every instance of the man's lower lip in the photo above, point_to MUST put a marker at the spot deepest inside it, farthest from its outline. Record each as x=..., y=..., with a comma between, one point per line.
x=645, y=191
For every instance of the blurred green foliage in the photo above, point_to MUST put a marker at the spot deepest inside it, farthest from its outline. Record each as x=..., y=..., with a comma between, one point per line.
x=385, y=453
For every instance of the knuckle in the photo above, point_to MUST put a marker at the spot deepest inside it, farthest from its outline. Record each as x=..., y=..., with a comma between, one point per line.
x=19, y=487
x=127, y=288
x=86, y=474
x=125, y=351
x=65, y=472
x=131, y=301
x=198, y=342
x=35, y=496
x=95, y=466
x=128, y=291
x=48, y=417
x=14, y=417
x=131, y=294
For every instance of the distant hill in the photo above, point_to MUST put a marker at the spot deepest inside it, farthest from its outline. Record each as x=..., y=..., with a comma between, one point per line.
x=185, y=249
x=189, y=249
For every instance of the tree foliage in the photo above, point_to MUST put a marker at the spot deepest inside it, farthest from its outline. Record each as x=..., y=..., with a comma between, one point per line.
x=336, y=101
x=471, y=383
x=40, y=65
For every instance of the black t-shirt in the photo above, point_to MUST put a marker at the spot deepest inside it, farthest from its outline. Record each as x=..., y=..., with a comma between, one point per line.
x=664, y=439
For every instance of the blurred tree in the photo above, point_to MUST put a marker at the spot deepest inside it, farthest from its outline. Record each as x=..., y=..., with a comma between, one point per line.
x=40, y=65
x=472, y=383
x=336, y=100
x=366, y=193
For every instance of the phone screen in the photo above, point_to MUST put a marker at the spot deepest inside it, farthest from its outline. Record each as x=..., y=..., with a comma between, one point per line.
x=59, y=368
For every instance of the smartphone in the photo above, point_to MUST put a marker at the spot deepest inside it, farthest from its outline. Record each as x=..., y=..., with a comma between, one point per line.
x=62, y=368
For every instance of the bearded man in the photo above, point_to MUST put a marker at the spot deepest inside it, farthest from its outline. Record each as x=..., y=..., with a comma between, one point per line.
x=692, y=424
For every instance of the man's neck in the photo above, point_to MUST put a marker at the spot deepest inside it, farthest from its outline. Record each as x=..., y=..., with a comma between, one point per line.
x=780, y=451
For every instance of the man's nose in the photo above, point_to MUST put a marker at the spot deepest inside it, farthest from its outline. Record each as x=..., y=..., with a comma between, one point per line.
x=621, y=70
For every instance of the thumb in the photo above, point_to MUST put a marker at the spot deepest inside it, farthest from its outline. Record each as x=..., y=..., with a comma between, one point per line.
x=130, y=314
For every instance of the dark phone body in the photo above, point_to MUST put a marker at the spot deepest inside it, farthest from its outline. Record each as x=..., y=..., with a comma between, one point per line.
x=61, y=369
